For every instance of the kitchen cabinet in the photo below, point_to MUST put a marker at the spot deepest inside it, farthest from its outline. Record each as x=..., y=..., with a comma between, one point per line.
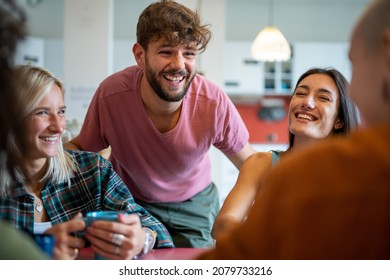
x=243, y=76
x=241, y=73
x=321, y=54
x=277, y=77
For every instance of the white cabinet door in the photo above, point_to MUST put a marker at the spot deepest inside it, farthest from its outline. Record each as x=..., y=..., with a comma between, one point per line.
x=245, y=76
x=320, y=54
x=242, y=75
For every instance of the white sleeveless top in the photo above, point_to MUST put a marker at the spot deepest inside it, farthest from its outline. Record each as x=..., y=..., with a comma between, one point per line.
x=40, y=228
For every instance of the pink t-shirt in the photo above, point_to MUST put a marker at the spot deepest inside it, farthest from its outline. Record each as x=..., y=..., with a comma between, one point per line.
x=161, y=167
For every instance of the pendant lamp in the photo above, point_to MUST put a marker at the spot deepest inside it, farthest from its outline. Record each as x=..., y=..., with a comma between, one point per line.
x=270, y=44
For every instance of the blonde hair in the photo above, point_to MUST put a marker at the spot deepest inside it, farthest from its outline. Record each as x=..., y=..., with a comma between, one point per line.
x=34, y=84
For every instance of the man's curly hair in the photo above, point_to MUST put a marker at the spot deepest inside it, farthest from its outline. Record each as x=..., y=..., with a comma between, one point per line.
x=175, y=23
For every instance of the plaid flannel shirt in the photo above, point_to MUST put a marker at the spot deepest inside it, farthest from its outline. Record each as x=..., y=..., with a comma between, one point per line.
x=96, y=187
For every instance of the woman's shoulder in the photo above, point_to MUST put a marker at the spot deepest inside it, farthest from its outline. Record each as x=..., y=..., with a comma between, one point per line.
x=87, y=162
x=259, y=159
x=85, y=156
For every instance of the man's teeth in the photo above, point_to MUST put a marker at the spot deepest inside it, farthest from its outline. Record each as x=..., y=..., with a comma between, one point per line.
x=306, y=117
x=174, y=79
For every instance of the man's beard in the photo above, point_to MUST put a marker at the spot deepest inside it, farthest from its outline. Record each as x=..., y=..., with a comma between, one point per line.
x=153, y=81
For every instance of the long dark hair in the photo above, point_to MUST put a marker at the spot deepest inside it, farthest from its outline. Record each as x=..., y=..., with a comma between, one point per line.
x=347, y=112
x=12, y=30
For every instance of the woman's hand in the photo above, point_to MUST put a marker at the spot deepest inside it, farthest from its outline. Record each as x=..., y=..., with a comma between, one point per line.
x=117, y=240
x=67, y=246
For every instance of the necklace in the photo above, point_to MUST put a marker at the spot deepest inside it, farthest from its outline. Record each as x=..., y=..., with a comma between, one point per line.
x=38, y=207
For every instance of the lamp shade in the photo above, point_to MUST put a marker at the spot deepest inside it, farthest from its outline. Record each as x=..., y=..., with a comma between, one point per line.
x=270, y=45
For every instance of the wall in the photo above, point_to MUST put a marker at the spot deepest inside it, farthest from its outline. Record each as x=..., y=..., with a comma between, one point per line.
x=31, y=51
x=264, y=131
x=300, y=20
x=321, y=54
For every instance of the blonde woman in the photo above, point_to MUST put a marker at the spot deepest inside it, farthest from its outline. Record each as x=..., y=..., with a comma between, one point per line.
x=58, y=186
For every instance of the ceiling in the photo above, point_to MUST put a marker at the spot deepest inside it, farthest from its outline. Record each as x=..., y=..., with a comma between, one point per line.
x=299, y=20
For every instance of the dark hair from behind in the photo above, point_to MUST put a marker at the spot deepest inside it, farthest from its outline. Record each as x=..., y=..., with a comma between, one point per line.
x=175, y=23
x=12, y=30
x=347, y=112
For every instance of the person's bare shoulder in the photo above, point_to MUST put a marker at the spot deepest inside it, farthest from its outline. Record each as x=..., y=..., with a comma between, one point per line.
x=259, y=159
